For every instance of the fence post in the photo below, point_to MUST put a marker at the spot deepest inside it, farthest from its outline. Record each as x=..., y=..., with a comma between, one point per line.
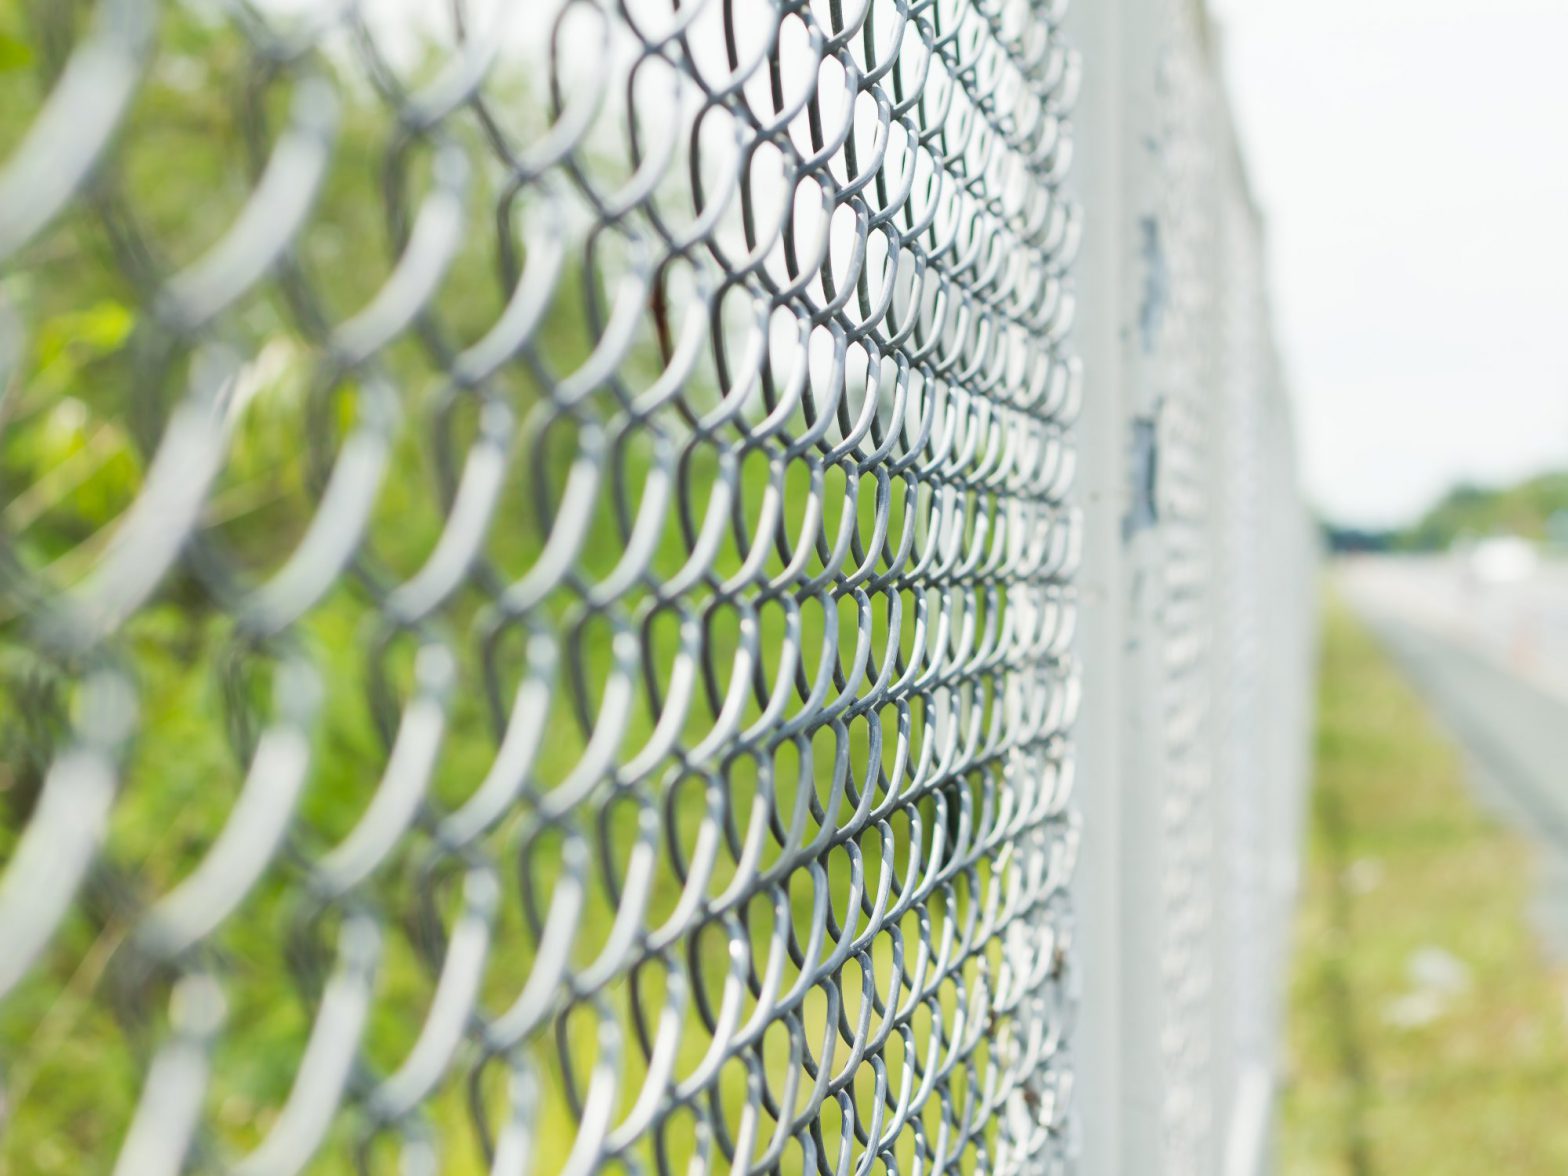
x=1096, y=31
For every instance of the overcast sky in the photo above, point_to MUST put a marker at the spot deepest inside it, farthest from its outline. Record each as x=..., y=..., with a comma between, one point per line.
x=1412, y=160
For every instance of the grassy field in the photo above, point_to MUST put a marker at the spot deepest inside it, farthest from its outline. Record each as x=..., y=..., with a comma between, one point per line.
x=1427, y=1031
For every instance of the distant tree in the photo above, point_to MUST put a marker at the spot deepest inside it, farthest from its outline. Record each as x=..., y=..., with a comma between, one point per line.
x=1523, y=509
x=1350, y=540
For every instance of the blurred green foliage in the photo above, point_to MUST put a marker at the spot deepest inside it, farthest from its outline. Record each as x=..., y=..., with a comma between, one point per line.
x=1526, y=508
x=1535, y=508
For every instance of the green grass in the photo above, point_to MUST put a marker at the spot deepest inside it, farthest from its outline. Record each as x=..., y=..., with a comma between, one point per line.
x=1400, y=861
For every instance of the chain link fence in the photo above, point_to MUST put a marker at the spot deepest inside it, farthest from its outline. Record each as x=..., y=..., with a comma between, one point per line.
x=537, y=587
x=541, y=581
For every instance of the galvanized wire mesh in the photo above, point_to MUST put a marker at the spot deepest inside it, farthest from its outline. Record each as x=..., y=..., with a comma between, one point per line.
x=535, y=586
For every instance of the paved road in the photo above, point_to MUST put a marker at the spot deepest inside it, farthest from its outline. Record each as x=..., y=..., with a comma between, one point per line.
x=1522, y=624
x=1484, y=659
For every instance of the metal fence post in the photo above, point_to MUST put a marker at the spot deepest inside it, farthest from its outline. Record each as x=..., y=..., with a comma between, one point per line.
x=1096, y=28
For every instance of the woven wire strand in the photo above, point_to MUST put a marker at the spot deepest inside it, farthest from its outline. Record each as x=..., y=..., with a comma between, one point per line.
x=536, y=595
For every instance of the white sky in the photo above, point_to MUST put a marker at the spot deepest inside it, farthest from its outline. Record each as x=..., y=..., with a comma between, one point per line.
x=1412, y=159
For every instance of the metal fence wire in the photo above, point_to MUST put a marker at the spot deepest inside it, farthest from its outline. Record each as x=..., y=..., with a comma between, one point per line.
x=536, y=586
